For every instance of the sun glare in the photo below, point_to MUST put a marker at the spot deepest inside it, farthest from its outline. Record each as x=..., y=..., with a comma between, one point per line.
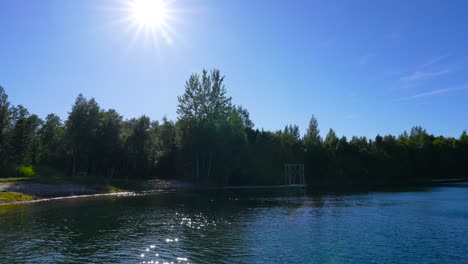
x=150, y=20
x=151, y=14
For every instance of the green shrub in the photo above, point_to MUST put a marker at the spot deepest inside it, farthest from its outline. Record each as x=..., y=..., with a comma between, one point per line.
x=25, y=171
x=8, y=197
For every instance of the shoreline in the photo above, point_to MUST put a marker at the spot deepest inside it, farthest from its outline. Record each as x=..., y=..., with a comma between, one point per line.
x=50, y=192
x=53, y=192
x=119, y=194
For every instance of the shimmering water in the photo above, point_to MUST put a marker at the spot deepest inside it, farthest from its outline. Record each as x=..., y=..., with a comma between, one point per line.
x=421, y=226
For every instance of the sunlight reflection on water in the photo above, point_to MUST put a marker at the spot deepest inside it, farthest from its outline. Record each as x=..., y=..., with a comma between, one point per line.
x=155, y=258
x=412, y=227
x=179, y=221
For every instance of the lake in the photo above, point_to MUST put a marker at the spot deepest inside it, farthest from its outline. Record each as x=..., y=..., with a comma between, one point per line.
x=417, y=226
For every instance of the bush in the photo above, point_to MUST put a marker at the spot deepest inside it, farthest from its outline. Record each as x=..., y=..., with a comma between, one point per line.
x=25, y=171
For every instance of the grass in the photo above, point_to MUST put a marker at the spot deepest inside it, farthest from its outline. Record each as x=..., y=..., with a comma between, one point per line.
x=8, y=197
x=112, y=189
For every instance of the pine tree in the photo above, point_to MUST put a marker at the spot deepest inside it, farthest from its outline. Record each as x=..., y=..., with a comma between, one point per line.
x=312, y=136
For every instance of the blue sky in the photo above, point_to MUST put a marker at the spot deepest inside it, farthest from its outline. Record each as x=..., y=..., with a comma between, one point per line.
x=361, y=67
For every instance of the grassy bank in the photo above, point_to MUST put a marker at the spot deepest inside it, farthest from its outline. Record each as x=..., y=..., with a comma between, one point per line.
x=47, y=183
x=9, y=197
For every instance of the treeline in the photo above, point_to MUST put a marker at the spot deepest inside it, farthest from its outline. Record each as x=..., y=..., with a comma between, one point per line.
x=214, y=142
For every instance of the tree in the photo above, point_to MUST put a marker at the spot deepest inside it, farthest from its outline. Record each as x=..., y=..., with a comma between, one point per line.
x=81, y=128
x=203, y=110
x=164, y=147
x=315, y=156
x=464, y=138
x=51, y=139
x=292, y=132
x=419, y=137
x=109, y=142
x=331, y=140
x=138, y=145
x=213, y=142
x=20, y=140
x=312, y=137
x=205, y=99
x=4, y=126
x=244, y=116
x=24, y=141
x=33, y=124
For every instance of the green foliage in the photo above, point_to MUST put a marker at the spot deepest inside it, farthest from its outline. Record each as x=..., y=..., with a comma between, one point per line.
x=51, y=140
x=25, y=171
x=312, y=137
x=464, y=138
x=8, y=197
x=244, y=116
x=4, y=126
x=205, y=98
x=212, y=142
x=208, y=125
x=331, y=140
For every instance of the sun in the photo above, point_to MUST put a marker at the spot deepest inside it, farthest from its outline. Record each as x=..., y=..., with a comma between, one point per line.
x=150, y=14
x=149, y=21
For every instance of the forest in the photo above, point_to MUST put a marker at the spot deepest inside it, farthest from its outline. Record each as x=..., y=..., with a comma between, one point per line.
x=214, y=142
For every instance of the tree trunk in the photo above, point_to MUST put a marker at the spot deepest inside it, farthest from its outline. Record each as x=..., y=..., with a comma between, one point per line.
x=74, y=164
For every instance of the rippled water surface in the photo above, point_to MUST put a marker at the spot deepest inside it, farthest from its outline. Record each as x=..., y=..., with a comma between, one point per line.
x=420, y=226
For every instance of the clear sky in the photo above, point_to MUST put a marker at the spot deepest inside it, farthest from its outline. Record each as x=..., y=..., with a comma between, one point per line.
x=361, y=67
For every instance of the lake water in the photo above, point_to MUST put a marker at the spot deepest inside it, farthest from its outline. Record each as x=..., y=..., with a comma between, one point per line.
x=418, y=226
